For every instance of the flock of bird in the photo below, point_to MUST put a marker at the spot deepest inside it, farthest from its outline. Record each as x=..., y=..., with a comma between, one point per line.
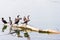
x=17, y=28
x=25, y=19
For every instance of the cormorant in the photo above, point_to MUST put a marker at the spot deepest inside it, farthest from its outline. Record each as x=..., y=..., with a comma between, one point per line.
x=4, y=21
x=16, y=22
x=17, y=19
x=26, y=19
x=10, y=20
x=5, y=26
x=10, y=23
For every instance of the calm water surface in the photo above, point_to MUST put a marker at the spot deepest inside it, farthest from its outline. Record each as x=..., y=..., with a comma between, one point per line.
x=45, y=14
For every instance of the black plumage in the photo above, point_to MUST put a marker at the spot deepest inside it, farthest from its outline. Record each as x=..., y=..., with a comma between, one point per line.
x=17, y=19
x=4, y=21
x=16, y=22
x=26, y=19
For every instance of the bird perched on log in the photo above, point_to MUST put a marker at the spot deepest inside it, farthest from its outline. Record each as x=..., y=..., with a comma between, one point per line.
x=4, y=21
x=10, y=20
x=5, y=26
x=17, y=19
x=26, y=19
x=16, y=22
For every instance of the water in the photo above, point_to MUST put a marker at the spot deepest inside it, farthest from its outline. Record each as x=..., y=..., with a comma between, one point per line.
x=44, y=14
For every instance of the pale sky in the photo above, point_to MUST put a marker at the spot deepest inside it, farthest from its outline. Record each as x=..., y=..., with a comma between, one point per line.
x=42, y=12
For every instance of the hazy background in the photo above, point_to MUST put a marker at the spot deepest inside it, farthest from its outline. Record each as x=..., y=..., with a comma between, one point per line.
x=44, y=14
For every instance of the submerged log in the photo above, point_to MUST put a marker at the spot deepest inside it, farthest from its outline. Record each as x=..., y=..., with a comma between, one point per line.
x=28, y=28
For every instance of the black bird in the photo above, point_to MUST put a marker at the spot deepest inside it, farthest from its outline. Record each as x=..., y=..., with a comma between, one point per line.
x=10, y=24
x=17, y=19
x=5, y=26
x=26, y=19
x=4, y=21
x=10, y=20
